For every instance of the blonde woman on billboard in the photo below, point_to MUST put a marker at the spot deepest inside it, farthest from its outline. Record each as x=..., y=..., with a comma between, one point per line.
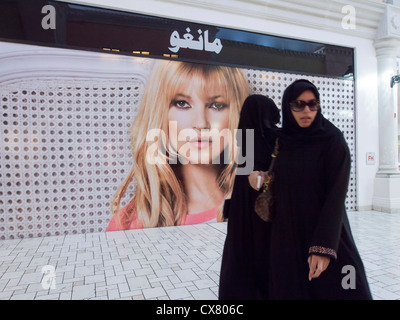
x=181, y=138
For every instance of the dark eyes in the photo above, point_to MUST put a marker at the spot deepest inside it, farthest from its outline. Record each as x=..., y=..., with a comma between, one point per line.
x=183, y=104
x=218, y=105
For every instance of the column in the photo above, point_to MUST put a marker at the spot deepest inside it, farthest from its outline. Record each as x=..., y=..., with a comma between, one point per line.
x=386, y=52
x=387, y=181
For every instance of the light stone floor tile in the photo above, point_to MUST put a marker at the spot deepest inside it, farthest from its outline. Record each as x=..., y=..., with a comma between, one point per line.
x=179, y=293
x=172, y=263
x=204, y=294
x=84, y=292
x=151, y=293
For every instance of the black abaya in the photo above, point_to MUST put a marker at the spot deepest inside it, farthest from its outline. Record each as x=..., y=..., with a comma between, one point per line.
x=244, y=267
x=311, y=180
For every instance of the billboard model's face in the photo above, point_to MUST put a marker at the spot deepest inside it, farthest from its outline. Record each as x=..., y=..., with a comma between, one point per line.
x=200, y=116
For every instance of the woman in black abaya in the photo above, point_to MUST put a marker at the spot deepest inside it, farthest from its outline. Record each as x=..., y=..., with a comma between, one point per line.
x=244, y=267
x=313, y=254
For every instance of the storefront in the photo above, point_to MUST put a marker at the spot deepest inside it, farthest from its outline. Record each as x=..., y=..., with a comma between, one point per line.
x=73, y=74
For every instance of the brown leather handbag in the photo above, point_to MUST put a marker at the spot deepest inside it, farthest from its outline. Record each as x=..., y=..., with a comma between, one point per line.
x=264, y=202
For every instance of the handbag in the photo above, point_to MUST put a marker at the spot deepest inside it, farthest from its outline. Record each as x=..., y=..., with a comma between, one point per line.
x=263, y=205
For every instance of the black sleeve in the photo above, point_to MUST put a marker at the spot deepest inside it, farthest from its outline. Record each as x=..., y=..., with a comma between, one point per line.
x=326, y=235
x=226, y=208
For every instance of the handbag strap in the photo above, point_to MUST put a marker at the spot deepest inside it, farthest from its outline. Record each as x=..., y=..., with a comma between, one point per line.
x=274, y=155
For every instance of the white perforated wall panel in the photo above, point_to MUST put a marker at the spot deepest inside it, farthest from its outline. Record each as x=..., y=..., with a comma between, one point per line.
x=64, y=147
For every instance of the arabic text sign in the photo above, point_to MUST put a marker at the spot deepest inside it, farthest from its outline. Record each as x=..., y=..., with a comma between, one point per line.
x=188, y=42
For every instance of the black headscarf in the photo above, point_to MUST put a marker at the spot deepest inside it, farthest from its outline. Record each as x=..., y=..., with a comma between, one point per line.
x=261, y=114
x=291, y=132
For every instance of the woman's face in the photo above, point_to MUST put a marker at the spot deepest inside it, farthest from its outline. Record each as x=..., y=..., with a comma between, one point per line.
x=305, y=117
x=199, y=121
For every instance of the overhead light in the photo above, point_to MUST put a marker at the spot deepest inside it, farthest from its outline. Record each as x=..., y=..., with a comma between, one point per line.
x=141, y=52
x=168, y=55
x=109, y=49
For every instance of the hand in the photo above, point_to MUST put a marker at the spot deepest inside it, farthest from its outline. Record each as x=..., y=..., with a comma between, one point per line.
x=317, y=264
x=253, y=179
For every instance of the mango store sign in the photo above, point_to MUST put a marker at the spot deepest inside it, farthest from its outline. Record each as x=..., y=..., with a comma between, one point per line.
x=189, y=42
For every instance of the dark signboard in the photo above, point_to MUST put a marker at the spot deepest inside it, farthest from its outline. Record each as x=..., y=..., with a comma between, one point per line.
x=66, y=25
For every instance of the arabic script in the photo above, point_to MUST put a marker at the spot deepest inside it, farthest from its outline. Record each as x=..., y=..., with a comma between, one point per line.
x=188, y=41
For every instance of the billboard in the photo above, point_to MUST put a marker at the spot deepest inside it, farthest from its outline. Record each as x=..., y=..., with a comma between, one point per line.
x=182, y=139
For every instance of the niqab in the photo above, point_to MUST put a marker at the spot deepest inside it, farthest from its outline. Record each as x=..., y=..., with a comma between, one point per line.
x=259, y=113
x=244, y=266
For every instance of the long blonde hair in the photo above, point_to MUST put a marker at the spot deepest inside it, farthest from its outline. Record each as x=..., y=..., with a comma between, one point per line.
x=159, y=197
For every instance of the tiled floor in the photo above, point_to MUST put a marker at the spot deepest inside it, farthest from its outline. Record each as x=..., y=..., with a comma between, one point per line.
x=164, y=263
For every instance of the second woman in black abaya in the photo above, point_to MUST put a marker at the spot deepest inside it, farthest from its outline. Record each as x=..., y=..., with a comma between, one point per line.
x=244, y=267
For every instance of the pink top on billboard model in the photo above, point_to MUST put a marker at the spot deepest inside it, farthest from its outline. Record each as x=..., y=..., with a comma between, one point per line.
x=202, y=217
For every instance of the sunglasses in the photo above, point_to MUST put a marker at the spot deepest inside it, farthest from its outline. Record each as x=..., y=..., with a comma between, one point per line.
x=299, y=105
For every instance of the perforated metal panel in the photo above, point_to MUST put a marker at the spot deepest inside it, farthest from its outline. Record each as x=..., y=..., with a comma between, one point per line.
x=64, y=150
x=64, y=147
